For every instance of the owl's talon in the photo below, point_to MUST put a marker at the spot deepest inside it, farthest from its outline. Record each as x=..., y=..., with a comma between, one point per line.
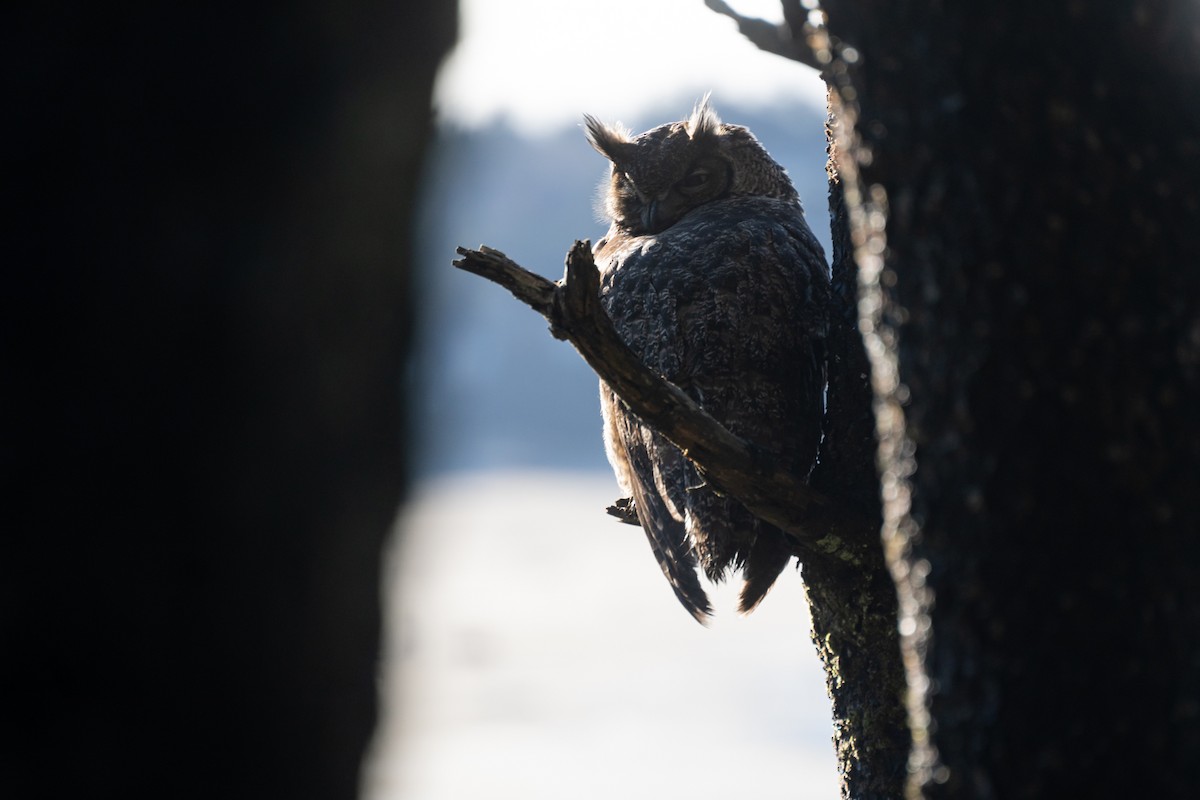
x=625, y=511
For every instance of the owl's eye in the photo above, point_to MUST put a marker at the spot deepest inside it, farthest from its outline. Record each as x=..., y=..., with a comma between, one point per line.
x=695, y=180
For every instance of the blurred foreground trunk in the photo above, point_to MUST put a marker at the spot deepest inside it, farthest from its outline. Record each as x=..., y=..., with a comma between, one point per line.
x=209, y=300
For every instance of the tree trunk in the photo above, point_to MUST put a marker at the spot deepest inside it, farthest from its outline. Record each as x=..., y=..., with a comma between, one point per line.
x=208, y=308
x=1040, y=171
x=854, y=610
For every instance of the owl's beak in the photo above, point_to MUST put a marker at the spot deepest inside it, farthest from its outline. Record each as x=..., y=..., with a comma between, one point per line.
x=650, y=216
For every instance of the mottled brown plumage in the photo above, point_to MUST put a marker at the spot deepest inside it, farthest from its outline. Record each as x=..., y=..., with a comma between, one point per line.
x=712, y=276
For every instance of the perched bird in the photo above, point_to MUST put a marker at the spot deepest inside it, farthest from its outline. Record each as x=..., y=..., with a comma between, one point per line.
x=712, y=276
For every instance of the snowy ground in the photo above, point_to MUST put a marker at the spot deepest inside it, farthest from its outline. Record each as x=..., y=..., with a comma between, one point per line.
x=535, y=651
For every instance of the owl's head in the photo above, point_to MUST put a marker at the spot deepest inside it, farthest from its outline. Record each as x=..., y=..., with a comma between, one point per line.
x=664, y=173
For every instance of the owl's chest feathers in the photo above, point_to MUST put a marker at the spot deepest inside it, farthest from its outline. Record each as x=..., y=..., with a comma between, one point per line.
x=710, y=237
x=715, y=277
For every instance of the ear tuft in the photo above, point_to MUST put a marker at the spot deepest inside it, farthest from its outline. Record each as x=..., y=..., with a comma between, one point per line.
x=704, y=120
x=605, y=138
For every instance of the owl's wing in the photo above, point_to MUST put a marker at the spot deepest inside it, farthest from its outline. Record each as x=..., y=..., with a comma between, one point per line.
x=656, y=483
x=769, y=554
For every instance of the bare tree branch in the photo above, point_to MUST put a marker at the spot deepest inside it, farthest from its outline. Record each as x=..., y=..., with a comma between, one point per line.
x=531, y=289
x=819, y=526
x=787, y=39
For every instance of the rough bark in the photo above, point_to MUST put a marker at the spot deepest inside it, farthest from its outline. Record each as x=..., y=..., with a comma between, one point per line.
x=207, y=310
x=854, y=612
x=1038, y=330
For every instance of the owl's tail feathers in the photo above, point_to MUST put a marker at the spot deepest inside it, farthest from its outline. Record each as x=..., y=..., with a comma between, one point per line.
x=713, y=523
x=673, y=552
x=686, y=585
x=768, y=556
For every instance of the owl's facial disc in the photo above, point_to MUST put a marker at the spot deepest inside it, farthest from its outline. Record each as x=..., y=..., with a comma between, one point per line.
x=695, y=181
x=704, y=180
x=660, y=213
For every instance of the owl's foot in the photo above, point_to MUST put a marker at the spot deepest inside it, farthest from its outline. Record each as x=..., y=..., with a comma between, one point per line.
x=625, y=511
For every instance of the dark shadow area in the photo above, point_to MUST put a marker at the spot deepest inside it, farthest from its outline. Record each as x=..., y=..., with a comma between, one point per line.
x=206, y=324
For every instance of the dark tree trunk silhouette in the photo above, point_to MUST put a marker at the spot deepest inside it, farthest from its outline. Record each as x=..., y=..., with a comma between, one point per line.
x=207, y=310
x=854, y=611
x=1034, y=310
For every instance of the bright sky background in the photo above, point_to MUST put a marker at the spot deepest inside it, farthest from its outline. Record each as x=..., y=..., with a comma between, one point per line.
x=534, y=651
x=543, y=63
x=529, y=637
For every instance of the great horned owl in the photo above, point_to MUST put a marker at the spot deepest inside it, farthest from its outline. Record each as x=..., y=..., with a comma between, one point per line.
x=713, y=278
